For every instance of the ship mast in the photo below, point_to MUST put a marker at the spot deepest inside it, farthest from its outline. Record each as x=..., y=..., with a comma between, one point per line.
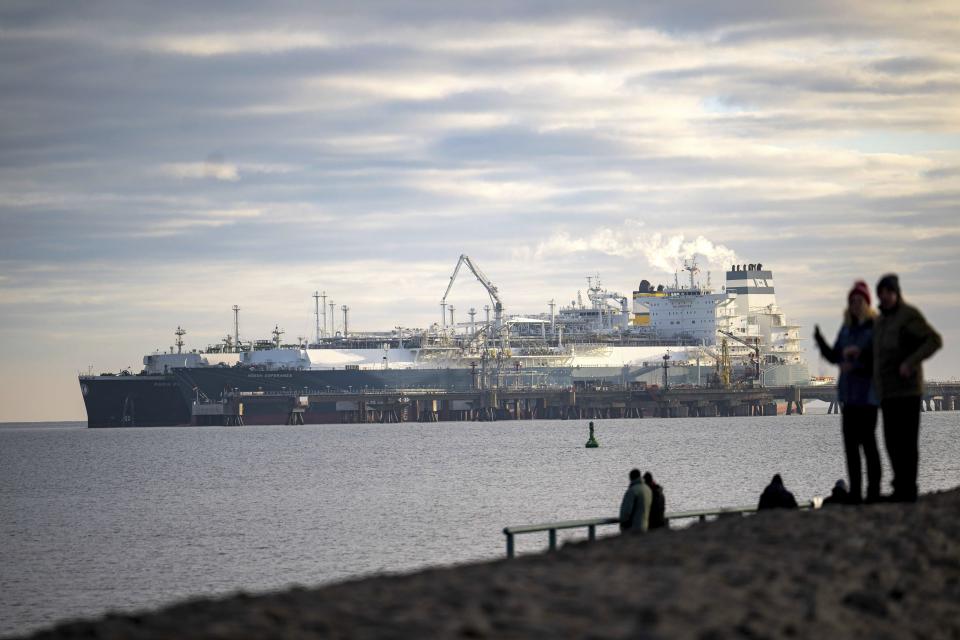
x=236, y=327
x=277, y=332
x=323, y=296
x=691, y=266
x=179, y=333
x=316, y=312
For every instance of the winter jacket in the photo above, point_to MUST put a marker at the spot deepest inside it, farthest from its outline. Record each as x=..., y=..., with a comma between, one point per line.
x=635, y=507
x=776, y=496
x=901, y=335
x=657, y=508
x=855, y=386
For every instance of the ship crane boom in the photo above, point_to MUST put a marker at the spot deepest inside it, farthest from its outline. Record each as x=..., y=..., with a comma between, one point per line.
x=754, y=346
x=484, y=280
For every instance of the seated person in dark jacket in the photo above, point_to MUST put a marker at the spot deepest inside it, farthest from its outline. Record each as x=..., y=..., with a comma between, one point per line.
x=658, y=505
x=839, y=495
x=776, y=496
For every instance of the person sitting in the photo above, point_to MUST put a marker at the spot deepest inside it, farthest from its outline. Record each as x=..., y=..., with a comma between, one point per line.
x=776, y=496
x=659, y=504
x=839, y=495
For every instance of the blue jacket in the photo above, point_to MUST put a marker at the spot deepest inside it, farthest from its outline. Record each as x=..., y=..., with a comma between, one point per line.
x=854, y=387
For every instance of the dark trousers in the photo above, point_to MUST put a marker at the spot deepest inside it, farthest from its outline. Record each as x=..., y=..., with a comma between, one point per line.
x=859, y=432
x=901, y=432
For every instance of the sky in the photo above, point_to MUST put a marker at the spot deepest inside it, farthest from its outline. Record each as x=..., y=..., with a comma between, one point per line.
x=162, y=162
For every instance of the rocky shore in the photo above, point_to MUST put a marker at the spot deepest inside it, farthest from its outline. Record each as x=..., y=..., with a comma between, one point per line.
x=877, y=571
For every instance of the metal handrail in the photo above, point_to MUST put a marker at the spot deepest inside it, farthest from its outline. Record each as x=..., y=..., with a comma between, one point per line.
x=592, y=523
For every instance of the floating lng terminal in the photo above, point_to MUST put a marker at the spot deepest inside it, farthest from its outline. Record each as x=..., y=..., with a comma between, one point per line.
x=619, y=356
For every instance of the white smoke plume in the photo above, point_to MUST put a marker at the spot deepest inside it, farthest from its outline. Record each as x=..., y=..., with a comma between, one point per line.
x=664, y=254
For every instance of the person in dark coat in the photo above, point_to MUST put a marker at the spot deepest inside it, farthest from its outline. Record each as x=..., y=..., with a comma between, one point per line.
x=902, y=341
x=839, y=495
x=853, y=352
x=658, y=506
x=776, y=496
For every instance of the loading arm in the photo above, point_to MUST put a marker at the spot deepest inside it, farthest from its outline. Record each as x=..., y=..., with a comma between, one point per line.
x=755, y=346
x=484, y=280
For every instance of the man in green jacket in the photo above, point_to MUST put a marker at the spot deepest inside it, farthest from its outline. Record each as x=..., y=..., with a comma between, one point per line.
x=635, y=506
x=902, y=340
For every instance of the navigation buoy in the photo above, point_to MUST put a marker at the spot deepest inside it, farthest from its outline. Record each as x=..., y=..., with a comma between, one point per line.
x=592, y=442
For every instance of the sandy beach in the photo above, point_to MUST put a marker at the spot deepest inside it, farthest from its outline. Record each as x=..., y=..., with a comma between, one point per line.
x=877, y=571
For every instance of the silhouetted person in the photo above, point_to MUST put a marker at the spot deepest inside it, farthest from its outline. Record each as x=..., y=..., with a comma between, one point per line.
x=776, y=496
x=839, y=495
x=853, y=352
x=658, y=505
x=902, y=341
x=635, y=506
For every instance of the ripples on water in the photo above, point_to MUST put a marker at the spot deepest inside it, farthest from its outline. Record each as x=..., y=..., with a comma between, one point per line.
x=94, y=520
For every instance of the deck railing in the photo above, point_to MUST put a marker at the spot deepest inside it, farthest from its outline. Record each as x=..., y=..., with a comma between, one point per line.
x=591, y=524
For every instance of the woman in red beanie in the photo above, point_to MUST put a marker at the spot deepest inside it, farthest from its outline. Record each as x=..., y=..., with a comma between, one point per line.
x=853, y=352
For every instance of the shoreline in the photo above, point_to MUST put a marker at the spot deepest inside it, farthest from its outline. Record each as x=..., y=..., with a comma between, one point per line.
x=885, y=570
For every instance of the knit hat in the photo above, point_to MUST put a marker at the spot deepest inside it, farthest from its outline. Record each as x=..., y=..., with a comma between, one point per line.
x=889, y=281
x=860, y=288
x=841, y=485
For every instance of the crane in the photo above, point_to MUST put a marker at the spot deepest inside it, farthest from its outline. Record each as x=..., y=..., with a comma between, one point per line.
x=487, y=284
x=721, y=361
x=755, y=346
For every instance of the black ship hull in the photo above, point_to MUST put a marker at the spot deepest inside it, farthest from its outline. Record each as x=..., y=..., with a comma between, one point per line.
x=134, y=401
x=166, y=400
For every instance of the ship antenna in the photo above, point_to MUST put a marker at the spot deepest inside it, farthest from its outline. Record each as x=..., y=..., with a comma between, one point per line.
x=236, y=327
x=179, y=333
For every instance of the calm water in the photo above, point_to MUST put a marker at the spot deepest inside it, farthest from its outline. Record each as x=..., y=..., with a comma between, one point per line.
x=97, y=520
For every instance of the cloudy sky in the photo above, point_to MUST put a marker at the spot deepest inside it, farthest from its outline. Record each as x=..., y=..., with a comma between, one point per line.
x=161, y=163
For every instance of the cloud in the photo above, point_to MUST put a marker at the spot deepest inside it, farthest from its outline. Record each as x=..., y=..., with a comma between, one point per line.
x=219, y=43
x=821, y=139
x=632, y=240
x=202, y=170
x=220, y=170
x=208, y=219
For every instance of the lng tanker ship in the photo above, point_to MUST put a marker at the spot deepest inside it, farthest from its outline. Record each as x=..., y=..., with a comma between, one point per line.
x=731, y=336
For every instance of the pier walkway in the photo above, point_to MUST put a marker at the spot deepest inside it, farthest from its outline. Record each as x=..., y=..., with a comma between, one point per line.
x=434, y=405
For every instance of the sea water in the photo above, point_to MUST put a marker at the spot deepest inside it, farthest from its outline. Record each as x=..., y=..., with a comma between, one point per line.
x=97, y=520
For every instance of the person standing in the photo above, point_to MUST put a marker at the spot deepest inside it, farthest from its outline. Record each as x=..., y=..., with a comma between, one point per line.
x=635, y=506
x=853, y=352
x=902, y=341
x=658, y=504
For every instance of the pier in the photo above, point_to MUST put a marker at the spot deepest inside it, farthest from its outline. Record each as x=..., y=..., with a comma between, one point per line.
x=438, y=405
